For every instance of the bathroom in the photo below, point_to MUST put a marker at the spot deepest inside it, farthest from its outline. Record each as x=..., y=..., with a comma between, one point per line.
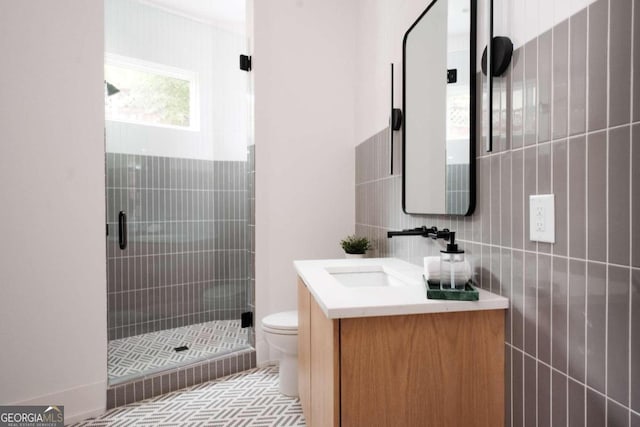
x=320, y=84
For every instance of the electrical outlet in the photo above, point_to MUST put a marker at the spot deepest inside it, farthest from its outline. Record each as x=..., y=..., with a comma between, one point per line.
x=542, y=218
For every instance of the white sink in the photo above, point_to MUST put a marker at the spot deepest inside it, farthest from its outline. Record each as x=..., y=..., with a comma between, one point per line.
x=364, y=276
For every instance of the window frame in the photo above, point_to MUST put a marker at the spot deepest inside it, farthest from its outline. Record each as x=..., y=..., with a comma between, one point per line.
x=164, y=71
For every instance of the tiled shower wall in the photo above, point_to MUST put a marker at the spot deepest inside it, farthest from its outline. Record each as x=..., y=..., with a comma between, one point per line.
x=187, y=257
x=568, y=125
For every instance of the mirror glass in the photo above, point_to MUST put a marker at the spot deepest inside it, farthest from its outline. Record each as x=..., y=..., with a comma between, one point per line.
x=439, y=110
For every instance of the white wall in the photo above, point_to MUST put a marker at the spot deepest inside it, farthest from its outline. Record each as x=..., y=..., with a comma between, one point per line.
x=381, y=25
x=304, y=110
x=52, y=256
x=145, y=32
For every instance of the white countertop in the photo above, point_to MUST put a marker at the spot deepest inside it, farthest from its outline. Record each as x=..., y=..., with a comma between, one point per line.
x=338, y=301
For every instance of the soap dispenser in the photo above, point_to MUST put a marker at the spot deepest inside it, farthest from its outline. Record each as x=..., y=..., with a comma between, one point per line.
x=452, y=267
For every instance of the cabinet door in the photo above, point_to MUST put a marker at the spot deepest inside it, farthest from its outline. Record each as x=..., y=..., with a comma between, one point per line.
x=304, y=349
x=443, y=369
x=325, y=369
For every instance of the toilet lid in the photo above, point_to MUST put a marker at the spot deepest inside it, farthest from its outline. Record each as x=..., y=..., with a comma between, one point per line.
x=286, y=320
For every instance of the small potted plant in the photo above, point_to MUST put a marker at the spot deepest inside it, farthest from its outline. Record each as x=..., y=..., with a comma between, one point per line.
x=354, y=246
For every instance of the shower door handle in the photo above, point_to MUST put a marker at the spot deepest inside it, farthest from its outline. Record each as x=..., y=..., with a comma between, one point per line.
x=122, y=230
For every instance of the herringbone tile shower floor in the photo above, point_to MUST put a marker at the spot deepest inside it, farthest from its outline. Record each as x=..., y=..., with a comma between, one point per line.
x=142, y=354
x=249, y=398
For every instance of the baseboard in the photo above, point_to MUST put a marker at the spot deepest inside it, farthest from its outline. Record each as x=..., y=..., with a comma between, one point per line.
x=83, y=416
x=80, y=403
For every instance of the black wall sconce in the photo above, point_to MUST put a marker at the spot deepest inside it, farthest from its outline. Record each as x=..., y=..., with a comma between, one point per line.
x=395, y=120
x=497, y=56
x=501, y=53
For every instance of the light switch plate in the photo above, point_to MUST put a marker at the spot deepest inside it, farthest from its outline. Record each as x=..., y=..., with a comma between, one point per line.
x=542, y=218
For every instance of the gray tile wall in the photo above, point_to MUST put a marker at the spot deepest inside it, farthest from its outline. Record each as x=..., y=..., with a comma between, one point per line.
x=572, y=333
x=187, y=258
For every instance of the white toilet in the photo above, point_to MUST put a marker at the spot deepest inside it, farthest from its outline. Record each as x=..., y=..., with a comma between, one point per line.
x=281, y=332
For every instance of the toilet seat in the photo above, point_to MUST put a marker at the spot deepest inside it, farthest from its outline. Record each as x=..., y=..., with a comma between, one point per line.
x=279, y=331
x=284, y=323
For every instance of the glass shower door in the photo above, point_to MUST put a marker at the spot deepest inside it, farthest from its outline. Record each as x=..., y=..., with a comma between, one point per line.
x=182, y=278
x=177, y=197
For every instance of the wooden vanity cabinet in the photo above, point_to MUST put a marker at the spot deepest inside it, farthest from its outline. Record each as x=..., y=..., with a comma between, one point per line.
x=304, y=348
x=318, y=362
x=440, y=369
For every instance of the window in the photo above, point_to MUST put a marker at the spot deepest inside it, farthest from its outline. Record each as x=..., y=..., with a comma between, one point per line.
x=151, y=94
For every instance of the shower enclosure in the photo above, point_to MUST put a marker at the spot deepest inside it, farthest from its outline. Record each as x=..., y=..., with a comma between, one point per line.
x=179, y=171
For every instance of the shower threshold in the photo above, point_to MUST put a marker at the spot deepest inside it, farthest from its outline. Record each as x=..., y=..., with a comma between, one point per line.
x=147, y=354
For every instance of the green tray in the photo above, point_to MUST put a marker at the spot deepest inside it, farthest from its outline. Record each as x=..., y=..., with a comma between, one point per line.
x=470, y=293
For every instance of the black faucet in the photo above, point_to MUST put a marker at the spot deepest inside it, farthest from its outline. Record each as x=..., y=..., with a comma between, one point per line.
x=423, y=231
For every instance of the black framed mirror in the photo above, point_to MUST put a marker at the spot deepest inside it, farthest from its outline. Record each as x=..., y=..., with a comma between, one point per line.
x=439, y=99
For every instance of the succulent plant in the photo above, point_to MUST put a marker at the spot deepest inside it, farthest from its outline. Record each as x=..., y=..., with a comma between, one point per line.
x=355, y=245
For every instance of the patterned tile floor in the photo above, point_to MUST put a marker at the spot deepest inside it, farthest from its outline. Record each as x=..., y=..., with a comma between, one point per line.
x=152, y=352
x=249, y=398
